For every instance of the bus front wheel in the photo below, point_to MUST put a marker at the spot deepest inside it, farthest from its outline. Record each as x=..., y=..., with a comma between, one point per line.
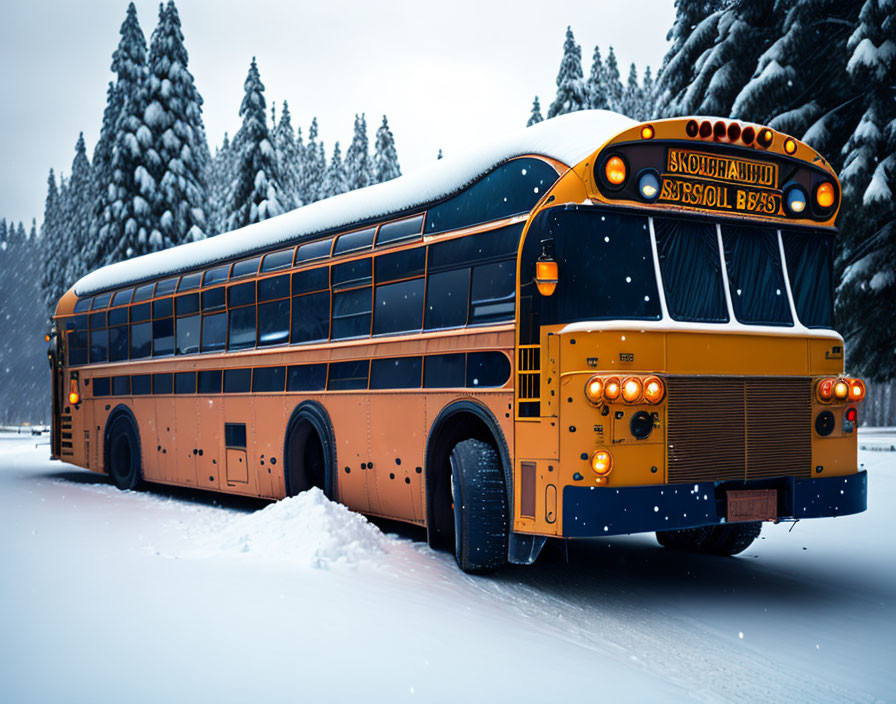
x=480, y=507
x=123, y=454
x=728, y=539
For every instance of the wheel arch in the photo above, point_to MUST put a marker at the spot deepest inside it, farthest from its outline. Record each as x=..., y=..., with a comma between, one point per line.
x=316, y=415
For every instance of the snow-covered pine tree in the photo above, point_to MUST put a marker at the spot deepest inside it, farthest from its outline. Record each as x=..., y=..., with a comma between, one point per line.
x=336, y=179
x=594, y=86
x=180, y=156
x=255, y=191
x=102, y=173
x=313, y=166
x=3, y=242
x=288, y=159
x=53, y=265
x=127, y=216
x=385, y=158
x=648, y=106
x=868, y=222
x=535, y=116
x=631, y=95
x=693, y=33
x=220, y=176
x=358, y=167
x=613, y=83
x=301, y=198
x=77, y=208
x=570, y=84
x=789, y=92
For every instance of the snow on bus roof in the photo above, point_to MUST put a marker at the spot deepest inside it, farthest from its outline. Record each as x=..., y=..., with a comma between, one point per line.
x=567, y=138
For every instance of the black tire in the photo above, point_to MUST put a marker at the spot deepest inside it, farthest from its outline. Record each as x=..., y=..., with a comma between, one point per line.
x=728, y=539
x=481, y=518
x=123, y=454
x=309, y=451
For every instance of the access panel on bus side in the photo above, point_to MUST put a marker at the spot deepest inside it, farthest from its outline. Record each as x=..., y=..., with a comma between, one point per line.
x=239, y=445
x=210, y=442
x=163, y=466
x=349, y=416
x=186, y=439
x=270, y=419
x=397, y=448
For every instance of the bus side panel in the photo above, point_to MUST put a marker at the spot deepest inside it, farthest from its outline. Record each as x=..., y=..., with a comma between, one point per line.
x=145, y=412
x=186, y=437
x=269, y=433
x=209, y=460
x=348, y=413
x=397, y=452
x=166, y=451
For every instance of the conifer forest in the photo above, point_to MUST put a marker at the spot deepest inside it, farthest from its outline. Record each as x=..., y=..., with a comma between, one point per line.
x=823, y=71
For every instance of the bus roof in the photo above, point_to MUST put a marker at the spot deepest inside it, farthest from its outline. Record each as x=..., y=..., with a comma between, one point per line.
x=568, y=139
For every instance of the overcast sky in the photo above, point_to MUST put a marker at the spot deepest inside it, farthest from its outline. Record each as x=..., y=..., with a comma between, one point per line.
x=444, y=73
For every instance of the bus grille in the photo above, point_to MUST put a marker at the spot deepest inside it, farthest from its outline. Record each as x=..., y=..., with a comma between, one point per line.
x=723, y=428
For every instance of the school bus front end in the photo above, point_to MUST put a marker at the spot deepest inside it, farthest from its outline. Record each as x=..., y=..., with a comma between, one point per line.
x=677, y=365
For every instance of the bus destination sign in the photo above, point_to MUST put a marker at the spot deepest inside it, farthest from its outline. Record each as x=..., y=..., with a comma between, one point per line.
x=722, y=183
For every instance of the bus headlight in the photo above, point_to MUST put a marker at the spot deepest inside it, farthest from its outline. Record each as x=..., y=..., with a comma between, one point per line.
x=795, y=200
x=654, y=389
x=649, y=185
x=632, y=389
x=824, y=195
x=612, y=388
x=615, y=171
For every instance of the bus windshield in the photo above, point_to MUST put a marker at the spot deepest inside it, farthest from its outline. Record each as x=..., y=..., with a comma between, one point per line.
x=607, y=271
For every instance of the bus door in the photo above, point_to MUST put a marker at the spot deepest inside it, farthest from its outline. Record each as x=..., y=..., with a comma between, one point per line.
x=54, y=355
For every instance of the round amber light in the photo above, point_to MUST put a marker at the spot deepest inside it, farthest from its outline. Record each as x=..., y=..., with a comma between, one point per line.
x=647, y=132
x=632, y=389
x=825, y=389
x=602, y=463
x=612, y=388
x=615, y=170
x=654, y=390
x=824, y=195
x=594, y=390
x=74, y=397
x=790, y=145
x=841, y=389
x=856, y=390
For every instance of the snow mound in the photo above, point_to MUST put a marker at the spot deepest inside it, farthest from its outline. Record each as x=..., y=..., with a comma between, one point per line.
x=308, y=529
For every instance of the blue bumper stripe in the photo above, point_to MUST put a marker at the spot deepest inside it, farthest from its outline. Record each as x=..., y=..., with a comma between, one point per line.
x=593, y=511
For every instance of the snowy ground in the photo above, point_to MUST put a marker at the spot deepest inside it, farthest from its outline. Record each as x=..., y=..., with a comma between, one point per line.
x=169, y=594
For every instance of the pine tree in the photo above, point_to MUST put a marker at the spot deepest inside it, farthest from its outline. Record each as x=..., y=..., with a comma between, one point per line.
x=3, y=235
x=535, y=116
x=594, y=87
x=313, y=166
x=631, y=95
x=648, y=105
x=288, y=159
x=868, y=178
x=385, y=158
x=612, y=83
x=53, y=269
x=255, y=191
x=179, y=153
x=103, y=175
x=570, y=86
x=77, y=246
x=358, y=168
x=301, y=198
x=127, y=215
x=693, y=33
x=336, y=179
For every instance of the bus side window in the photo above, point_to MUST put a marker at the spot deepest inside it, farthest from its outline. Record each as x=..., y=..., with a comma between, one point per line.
x=99, y=338
x=162, y=327
x=273, y=310
x=310, y=305
x=447, y=296
x=492, y=295
x=352, y=299
x=241, y=316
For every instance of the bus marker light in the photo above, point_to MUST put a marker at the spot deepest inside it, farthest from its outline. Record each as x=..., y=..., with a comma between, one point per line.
x=692, y=128
x=825, y=390
x=612, y=388
x=765, y=138
x=841, y=390
x=602, y=463
x=649, y=185
x=647, y=132
x=654, y=389
x=546, y=276
x=719, y=130
x=632, y=389
x=74, y=397
x=824, y=195
x=748, y=135
x=705, y=129
x=594, y=390
x=733, y=131
x=795, y=200
x=790, y=145
x=615, y=170
x=856, y=390
x=46, y=338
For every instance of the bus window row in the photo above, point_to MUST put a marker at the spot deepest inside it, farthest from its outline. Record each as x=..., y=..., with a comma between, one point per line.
x=509, y=189
x=454, y=370
x=466, y=281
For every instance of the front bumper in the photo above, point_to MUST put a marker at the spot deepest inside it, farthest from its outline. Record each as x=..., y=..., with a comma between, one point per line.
x=594, y=511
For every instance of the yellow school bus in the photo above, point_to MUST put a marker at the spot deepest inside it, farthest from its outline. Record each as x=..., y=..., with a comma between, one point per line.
x=594, y=327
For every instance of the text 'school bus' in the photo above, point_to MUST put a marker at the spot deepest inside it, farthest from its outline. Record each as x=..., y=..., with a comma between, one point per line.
x=595, y=327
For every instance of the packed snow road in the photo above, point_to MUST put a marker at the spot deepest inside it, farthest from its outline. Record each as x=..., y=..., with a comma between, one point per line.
x=169, y=594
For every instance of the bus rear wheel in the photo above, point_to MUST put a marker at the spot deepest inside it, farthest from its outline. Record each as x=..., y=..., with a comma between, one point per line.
x=728, y=539
x=479, y=505
x=306, y=457
x=123, y=454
